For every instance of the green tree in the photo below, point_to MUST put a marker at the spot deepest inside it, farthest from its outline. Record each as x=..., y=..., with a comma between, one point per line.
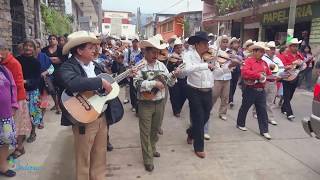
x=55, y=22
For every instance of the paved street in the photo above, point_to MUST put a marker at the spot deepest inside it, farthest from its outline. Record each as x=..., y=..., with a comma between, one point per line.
x=231, y=154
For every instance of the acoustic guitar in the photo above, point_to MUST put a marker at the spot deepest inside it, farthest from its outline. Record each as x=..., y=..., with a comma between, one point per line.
x=292, y=74
x=150, y=95
x=86, y=107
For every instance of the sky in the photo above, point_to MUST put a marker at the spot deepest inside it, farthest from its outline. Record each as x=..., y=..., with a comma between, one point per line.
x=152, y=6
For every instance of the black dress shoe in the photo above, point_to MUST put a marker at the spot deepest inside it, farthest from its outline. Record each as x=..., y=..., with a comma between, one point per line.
x=156, y=154
x=109, y=147
x=149, y=167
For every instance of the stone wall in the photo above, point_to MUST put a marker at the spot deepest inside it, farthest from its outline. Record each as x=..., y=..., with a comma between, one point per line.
x=5, y=22
x=58, y=5
x=29, y=18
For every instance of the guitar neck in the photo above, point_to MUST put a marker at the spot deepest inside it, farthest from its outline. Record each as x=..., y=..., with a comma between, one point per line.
x=122, y=76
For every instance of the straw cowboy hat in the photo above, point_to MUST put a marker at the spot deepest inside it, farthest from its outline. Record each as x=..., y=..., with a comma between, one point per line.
x=271, y=44
x=248, y=43
x=159, y=36
x=177, y=42
x=154, y=42
x=293, y=41
x=172, y=38
x=77, y=38
x=234, y=39
x=199, y=36
x=259, y=45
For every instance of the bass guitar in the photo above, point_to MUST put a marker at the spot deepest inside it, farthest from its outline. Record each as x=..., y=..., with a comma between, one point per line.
x=86, y=107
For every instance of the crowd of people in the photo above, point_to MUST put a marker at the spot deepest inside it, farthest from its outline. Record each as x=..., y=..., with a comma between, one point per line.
x=200, y=69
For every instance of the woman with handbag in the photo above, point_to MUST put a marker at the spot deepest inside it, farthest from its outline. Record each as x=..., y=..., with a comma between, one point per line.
x=46, y=86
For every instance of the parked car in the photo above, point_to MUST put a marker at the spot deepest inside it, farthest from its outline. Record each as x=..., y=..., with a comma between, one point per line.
x=311, y=125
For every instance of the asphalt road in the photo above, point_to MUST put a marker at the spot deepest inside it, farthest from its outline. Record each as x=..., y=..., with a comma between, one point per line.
x=231, y=153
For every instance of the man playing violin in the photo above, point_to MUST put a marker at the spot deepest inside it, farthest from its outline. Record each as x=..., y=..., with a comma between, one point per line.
x=291, y=59
x=235, y=54
x=200, y=80
x=177, y=92
x=255, y=69
x=221, y=82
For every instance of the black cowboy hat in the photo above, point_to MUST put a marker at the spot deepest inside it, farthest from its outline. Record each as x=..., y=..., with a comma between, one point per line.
x=198, y=37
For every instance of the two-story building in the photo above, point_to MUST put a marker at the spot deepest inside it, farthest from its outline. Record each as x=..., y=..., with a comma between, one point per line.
x=118, y=23
x=182, y=25
x=263, y=20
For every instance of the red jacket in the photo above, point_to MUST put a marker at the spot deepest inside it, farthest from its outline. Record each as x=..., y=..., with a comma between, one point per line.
x=15, y=67
x=287, y=57
x=252, y=70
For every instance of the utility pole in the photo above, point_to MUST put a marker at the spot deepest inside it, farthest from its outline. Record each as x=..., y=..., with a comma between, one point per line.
x=100, y=16
x=292, y=19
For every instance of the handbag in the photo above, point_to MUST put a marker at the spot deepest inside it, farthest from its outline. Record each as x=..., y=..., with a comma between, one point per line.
x=114, y=112
x=49, y=85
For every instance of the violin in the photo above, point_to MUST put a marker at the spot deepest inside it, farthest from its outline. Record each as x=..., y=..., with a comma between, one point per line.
x=175, y=58
x=208, y=56
x=163, y=55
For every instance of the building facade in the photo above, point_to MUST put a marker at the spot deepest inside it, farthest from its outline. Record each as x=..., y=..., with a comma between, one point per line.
x=266, y=20
x=118, y=23
x=182, y=25
x=19, y=20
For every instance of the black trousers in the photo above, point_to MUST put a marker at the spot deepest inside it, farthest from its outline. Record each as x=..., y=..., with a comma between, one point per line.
x=289, y=87
x=178, y=95
x=133, y=95
x=200, y=106
x=252, y=96
x=233, y=84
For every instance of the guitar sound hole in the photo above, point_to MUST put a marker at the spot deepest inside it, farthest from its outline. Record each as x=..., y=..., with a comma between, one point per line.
x=83, y=102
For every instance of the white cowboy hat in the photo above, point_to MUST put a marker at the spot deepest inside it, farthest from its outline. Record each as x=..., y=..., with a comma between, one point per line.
x=271, y=44
x=234, y=39
x=77, y=38
x=248, y=43
x=159, y=36
x=210, y=34
x=293, y=41
x=153, y=42
x=259, y=45
x=172, y=38
x=177, y=42
x=223, y=37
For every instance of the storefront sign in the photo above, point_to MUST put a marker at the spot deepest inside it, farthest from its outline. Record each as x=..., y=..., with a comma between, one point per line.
x=281, y=16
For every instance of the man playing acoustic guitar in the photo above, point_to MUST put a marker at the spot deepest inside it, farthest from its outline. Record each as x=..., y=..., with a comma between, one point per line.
x=291, y=59
x=78, y=74
x=150, y=83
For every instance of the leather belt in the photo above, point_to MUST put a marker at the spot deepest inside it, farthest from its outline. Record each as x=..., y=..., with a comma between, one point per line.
x=257, y=89
x=201, y=89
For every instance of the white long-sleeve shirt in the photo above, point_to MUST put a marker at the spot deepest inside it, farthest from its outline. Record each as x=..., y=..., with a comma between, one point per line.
x=197, y=71
x=275, y=60
x=145, y=79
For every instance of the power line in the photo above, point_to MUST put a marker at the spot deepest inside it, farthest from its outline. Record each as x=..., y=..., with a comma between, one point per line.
x=175, y=4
